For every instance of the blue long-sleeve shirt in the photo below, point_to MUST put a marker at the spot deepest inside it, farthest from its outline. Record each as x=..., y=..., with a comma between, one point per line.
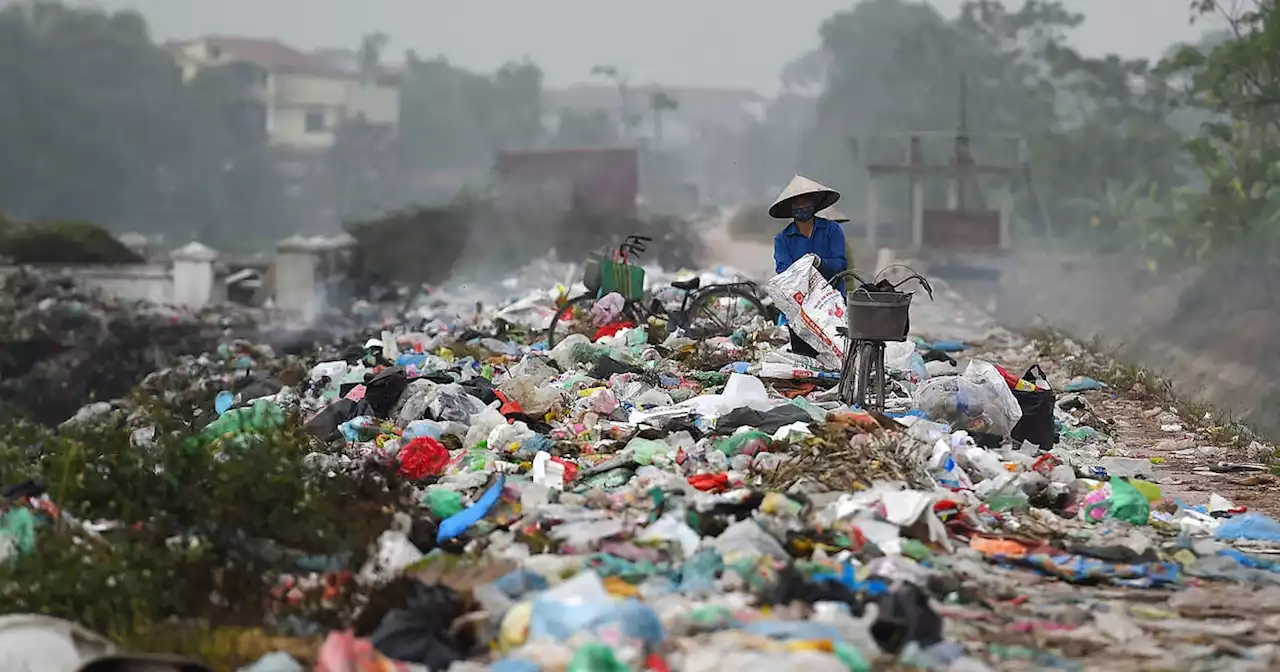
x=827, y=241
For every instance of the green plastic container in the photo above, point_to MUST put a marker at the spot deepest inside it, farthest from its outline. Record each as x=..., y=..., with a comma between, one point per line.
x=625, y=279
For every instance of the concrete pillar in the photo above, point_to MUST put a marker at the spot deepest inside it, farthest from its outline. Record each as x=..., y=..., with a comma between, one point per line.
x=193, y=275
x=884, y=259
x=1006, y=219
x=953, y=195
x=873, y=212
x=917, y=214
x=296, y=283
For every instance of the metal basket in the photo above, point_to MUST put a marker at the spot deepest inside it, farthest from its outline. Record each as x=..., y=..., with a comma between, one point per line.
x=878, y=316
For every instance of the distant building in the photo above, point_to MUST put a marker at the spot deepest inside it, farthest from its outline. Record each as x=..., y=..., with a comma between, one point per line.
x=304, y=97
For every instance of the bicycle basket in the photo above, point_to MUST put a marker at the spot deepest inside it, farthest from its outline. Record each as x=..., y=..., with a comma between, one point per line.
x=625, y=279
x=878, y=316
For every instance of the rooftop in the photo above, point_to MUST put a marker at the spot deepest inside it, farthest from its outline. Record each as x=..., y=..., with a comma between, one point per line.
x=271, y=54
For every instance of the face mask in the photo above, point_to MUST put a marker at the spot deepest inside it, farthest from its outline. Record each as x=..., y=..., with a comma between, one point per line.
x=803, y=213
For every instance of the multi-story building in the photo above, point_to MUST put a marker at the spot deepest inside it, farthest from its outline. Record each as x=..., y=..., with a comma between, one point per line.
x=302, y=99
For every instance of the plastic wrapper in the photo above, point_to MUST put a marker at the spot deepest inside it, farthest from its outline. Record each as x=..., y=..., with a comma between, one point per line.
x=814, y=309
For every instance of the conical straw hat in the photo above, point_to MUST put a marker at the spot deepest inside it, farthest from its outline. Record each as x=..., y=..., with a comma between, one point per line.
x=834, y=215
x=799, y=186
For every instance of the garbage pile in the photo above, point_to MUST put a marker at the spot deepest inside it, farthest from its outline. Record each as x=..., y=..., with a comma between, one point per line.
x=62, y=345
x=642, y=502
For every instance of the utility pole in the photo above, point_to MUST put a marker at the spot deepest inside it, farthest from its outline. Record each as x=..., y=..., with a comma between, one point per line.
x=660, y=102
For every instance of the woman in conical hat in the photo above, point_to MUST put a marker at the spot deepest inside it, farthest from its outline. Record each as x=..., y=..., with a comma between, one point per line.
x=808, y=233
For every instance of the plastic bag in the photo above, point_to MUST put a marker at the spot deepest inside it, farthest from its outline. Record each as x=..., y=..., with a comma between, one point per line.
x=1254, y=526
x=744, y=443
x=813, y=307
x=415, y=401
x=646, y=451
x=533, y=394
x=978, y=401
x=423, y=457
x=1119, y=500
x=903, y=356
x=419, y=428
x=453, y=403
x=608, y=309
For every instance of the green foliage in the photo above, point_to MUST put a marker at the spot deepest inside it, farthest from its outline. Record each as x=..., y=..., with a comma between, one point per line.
x=97, y=124
x=62, y=242
x=1110, y=157
x=455, y=119
x=201, y=533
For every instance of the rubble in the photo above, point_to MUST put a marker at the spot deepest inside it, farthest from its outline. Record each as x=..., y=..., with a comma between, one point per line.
x=457, y=495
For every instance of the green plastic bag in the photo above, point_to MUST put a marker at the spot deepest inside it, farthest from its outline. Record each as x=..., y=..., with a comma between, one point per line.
x=1128, y=503
x=595, y=657
x=649, y=452
x=443, y=502
x=264, y=415
x=734, y=445
x=17, y=533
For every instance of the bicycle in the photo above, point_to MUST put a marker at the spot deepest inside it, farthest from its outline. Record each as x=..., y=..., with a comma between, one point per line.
x=697, y=314
x=876, y=313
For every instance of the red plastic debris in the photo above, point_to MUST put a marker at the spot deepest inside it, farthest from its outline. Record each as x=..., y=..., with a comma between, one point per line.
x=612, y=329
x=423, y=457
x=570, y=469
x=709, y=482
x=509, y=406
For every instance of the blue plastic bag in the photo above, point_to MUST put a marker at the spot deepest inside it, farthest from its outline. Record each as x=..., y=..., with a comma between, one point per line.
x=1251, y=526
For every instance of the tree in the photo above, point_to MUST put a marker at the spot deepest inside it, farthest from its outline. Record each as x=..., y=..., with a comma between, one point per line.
x=370, y=54
x=455, y=119
x=97, y=123
x=584, y=129
x=1237, y=81
x=893, y=65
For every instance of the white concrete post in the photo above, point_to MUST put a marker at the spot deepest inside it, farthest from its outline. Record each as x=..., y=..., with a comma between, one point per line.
x=193, y=275
x=297, y=289
x=1006, y=219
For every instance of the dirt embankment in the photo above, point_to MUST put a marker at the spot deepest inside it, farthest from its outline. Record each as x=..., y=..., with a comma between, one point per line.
x=1216, y=343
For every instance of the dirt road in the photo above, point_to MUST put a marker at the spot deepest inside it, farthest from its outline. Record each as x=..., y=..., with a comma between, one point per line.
x=1188, y=455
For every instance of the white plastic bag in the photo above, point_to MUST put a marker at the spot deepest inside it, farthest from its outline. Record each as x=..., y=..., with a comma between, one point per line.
x=814, y=309
x=978, y=401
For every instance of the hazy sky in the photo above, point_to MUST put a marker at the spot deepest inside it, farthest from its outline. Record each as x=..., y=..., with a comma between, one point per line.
x=697, y=42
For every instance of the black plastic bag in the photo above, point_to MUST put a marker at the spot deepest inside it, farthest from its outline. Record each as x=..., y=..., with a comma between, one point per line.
x=905, y=616
x=1037, y=425
x=385, y=389
x=419, y=633
x=480, y=389
x=324, y=425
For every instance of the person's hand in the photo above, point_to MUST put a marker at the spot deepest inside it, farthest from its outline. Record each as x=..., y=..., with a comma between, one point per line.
x=817, y=261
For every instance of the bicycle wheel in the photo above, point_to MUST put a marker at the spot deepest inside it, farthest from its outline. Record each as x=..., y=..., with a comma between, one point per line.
x=574, y=317
x=721, y=310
